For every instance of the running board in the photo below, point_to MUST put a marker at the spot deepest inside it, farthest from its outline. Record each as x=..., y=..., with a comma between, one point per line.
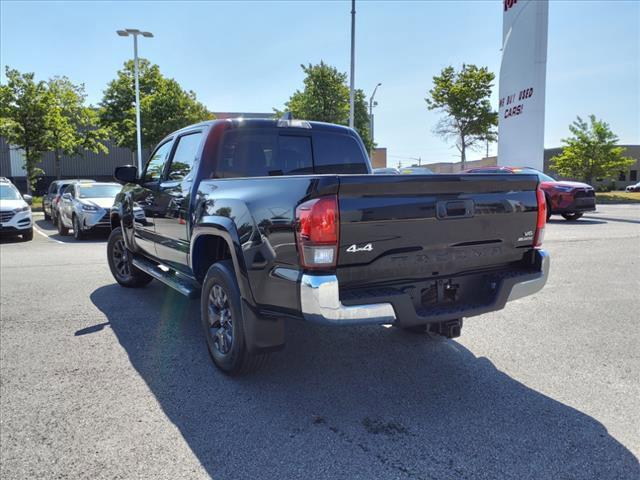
x=182, y=284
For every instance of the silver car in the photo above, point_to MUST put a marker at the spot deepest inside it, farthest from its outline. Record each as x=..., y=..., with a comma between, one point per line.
x=51, y=199
x=85, y=206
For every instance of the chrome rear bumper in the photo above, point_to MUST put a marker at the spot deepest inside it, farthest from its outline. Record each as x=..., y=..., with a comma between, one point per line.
x=529, y=287
x=320, y=302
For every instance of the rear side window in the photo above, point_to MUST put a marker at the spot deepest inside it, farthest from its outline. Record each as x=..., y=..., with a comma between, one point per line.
x=247, y=153
x=336, y=153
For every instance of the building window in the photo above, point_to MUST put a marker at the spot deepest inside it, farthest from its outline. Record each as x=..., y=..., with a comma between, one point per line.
x=633, y=175
x=622, y=177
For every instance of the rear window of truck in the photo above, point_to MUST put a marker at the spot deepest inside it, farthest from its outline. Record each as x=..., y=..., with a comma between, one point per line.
x=335, y=153
x=262, y=153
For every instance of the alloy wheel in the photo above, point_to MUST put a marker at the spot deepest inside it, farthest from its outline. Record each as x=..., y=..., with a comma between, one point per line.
x=121, y=259
x=220, y=320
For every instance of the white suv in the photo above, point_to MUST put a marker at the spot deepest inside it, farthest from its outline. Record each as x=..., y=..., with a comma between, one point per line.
x=15, y=212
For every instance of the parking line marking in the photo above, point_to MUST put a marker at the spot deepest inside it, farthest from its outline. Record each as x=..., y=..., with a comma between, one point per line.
x=45, y=235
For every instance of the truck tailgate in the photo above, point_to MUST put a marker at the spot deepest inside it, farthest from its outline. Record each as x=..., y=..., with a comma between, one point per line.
x=401, y=227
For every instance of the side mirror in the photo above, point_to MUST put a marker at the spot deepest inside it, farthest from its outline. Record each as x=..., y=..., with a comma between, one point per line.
x=66, y=196
x=126, y=174
x=28, y=199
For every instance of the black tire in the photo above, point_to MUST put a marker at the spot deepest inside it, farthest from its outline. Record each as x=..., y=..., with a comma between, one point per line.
x=223, y=323
x=46, y=215
x=120, y=263
x=570, y=217
x=78, y=233
x=548, y=201
x=28, y=235
x=62, y=230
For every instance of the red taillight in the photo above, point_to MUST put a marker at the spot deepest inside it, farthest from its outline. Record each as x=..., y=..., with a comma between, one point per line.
x=56, y=199
x=317, y=224
x=542, y=218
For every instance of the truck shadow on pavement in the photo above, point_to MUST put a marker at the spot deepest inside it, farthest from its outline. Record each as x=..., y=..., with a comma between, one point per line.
x=353, y=403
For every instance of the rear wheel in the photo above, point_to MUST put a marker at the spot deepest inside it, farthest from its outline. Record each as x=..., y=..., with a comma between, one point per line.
x=223, y=323
x=121, y=263
x=46, y=215
x=548, y=200
x=78, y=234
x=571, y=216
x=62, y=230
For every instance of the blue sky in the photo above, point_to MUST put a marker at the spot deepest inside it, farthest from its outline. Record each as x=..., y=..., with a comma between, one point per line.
x=246, y=56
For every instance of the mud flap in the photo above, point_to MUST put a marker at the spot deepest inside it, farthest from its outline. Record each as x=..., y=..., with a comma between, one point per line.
x=262, y=334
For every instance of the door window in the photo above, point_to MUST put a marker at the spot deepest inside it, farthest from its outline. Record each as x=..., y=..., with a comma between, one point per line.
x=70, y=189
x=155, y=166
x=184, y=156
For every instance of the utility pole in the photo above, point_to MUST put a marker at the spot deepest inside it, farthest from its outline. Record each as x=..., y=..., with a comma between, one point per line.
x=135, y=32
x=352, y=97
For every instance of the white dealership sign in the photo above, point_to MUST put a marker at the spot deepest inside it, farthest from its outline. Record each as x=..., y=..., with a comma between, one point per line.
x=522, y=83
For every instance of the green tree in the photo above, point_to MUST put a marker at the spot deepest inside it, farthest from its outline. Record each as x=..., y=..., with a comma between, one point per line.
x=24, y=119
x=464, y=99
x=73, y=126
x=325, y=98
x=164, y=106
x=591, y=152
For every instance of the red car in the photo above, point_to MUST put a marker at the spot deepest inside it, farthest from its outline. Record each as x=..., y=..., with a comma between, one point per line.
x=569, y=199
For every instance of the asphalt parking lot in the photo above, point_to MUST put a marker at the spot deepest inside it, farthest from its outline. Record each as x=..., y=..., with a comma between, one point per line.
x=98, y=381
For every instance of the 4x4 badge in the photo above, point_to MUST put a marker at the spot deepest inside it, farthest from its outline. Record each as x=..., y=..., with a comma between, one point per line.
x=354, y=248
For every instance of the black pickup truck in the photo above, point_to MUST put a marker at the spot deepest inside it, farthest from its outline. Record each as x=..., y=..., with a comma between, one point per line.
x=268, y=220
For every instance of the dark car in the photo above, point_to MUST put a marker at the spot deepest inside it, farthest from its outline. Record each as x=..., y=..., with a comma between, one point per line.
x=51, y=200
x=270, y=221
x=569, y=199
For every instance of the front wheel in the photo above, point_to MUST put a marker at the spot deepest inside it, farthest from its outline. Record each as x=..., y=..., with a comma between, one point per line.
x=223, y=322
x=78, y=233
x=62, y=230
x=121, y=262
x=570, y=217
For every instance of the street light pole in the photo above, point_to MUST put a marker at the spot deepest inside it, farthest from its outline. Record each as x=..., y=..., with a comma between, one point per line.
x=352, y=97
x=134, y=32
x=371, y=105
x=137, y=82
